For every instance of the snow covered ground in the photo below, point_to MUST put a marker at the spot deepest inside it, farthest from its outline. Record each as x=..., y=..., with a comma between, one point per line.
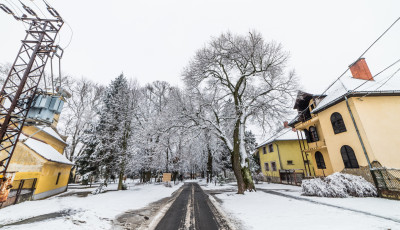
x=91, y=212
x=287, y=209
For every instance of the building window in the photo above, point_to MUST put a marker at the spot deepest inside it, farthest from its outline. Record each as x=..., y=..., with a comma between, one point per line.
x=349, y=158
x=270, y=148
x=307, y=134
x=266, y=166
x=264, y=150
x=320, y=160
x=273, y=166
x=313, y=134
x=337, y=123
x=58, y=177
x=290, y=162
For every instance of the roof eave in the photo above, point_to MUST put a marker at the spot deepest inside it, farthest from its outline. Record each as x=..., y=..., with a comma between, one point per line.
x=353, y=94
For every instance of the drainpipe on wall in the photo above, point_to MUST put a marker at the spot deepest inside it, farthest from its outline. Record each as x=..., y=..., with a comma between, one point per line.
x=363, y=147
x=358, y=133
x=279, y=156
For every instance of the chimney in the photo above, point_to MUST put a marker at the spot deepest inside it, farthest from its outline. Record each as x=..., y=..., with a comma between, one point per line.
x=286, y=124
x=360, y=70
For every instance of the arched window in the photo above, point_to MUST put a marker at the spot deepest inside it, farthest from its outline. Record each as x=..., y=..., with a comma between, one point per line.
x=313, y=134
x=349, y=158
x=337, y=123
x=320, y=160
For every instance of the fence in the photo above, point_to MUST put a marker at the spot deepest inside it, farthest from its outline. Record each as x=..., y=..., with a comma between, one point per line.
x=291, y=176
x=22, y=190
x=387, y=181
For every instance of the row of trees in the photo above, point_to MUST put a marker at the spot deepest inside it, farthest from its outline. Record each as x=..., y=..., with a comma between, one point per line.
x=125, y=128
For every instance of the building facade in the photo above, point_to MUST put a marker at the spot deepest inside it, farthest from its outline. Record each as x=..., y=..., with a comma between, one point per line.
x=353, y=128
x=281, y=159
x=38, y=165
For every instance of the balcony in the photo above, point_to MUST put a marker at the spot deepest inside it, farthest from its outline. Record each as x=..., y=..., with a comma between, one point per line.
x=304, y=124
x=315, y=146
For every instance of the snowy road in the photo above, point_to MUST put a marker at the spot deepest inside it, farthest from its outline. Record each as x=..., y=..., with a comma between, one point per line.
x=191, y=210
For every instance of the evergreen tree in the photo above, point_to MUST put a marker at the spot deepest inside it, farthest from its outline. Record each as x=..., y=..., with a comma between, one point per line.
x=108, y=143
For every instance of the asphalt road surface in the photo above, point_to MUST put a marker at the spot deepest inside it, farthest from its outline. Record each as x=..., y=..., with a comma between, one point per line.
x=190, y=210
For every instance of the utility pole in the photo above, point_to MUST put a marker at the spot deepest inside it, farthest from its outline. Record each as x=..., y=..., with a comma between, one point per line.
x=20, y=87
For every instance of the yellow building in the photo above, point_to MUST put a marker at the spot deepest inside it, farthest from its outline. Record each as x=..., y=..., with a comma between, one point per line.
x=40, y=169
x=281, y=158
x=354, y=126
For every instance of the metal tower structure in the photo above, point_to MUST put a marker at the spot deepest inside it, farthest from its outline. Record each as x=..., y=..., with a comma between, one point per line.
x=21, y=85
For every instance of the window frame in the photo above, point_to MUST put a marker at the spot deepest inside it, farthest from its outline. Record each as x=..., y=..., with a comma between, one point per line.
x=351, y=158
x=313, y=134
x=58, y=178
x=337, y=123
x=273, y=166
x=271, y=148
x=264, y=149
x=266, y=166
x=320, y=160
x=289, y=162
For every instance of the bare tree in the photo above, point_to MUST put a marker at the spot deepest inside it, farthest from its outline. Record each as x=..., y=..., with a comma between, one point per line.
x=78, y=112
x=236, y=79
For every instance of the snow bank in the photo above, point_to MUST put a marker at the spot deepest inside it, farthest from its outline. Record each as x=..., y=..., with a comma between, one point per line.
x=338, y=185
x=91, y=212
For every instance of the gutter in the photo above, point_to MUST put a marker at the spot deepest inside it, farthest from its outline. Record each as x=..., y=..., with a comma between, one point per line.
x=279, y=156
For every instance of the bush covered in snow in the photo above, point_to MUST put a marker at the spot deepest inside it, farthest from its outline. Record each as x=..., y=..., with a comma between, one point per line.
x=259, y=178
x=338, y=185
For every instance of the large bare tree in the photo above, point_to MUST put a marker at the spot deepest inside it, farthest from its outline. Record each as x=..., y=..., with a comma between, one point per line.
x=235, y=80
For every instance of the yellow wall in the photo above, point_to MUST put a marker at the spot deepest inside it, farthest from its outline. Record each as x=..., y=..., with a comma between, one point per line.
x=42, y=135
x=288, y=150
x=379, y=120
x=336, y=141
x=25, y=160
x=49, y=175
x=321, y=172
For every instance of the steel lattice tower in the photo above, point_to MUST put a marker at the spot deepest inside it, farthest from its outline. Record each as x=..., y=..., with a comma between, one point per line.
x=22, y=83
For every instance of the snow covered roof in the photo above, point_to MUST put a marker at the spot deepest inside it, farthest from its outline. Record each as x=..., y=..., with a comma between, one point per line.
x=350, y=86
x=283, y=135
x=53, y=133
x=45, y=150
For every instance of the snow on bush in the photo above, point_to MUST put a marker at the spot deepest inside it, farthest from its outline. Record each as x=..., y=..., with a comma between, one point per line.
x=259, y=177
x=338, y=185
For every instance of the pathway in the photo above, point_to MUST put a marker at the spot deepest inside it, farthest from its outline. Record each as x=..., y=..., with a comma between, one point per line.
x=192, y=210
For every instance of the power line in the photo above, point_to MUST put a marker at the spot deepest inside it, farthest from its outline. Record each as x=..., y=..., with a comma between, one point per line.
x=38, y=8
x=394, y=63
x=337, y=79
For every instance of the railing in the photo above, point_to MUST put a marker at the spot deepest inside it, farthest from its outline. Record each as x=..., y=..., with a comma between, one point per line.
x=387, y=181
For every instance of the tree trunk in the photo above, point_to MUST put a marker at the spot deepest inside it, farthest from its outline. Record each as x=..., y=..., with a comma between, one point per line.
x=120, y=178
x=209, y=165
x=242, y=174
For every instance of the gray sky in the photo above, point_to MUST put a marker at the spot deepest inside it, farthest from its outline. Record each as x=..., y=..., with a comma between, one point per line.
x=153, y=40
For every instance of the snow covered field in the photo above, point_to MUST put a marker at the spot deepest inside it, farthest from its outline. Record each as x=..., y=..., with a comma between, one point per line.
x=91, y=212
x=285, y=208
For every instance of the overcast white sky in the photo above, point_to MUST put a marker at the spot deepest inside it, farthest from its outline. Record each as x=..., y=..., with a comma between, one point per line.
x=153, y=40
